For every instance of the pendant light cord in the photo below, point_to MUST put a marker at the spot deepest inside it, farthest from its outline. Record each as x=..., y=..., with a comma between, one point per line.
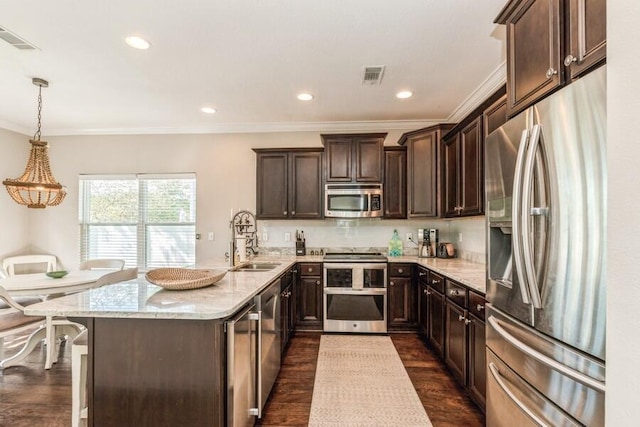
x=36, y=136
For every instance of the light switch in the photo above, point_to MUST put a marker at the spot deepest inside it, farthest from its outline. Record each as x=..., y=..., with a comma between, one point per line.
x=287, y=237
x=212, y=236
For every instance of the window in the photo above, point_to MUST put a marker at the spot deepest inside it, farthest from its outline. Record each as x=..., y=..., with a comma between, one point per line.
x=147, y=220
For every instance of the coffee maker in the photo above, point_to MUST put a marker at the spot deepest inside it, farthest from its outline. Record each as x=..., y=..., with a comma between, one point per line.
x=427, y=242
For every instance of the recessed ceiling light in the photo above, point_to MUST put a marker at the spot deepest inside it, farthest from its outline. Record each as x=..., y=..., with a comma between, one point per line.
x=208, y=110
x=404, y=94
x=305, y=97
x=137, y=42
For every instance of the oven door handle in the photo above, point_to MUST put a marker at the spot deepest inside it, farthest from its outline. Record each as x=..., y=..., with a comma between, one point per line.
x=363, y=291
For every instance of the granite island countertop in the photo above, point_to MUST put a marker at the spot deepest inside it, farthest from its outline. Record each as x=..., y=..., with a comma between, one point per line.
x=139, y=298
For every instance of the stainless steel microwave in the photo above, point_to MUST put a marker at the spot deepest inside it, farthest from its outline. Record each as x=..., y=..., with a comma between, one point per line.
x=353, y=201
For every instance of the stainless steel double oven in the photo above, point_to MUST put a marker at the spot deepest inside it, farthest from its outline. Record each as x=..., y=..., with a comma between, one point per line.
x=355, y=292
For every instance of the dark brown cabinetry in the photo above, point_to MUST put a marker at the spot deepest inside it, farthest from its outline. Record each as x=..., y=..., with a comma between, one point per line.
x=287, y=307
x=423, y=302
x=354, y=158
x=462, y=171
x=477, y=378
x=400, y=298
x=395, y=183
x=436, y=313
x=494, y=116
x=544, y=37
x=423, y=148
x=309, y=296
x=457, y=335
x=289, y=184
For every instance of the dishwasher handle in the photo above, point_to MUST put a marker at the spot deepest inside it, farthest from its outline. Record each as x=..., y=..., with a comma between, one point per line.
x=257, y=410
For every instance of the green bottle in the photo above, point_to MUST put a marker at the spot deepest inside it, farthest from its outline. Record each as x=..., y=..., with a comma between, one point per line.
x=395, y=245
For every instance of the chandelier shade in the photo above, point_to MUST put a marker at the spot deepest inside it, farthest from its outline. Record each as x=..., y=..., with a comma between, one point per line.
x=36, y=187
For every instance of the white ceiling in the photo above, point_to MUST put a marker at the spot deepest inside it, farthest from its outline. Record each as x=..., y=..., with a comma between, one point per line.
x=246, y=58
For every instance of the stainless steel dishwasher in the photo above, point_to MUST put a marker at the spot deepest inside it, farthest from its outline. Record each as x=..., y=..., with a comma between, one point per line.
x=253, y=356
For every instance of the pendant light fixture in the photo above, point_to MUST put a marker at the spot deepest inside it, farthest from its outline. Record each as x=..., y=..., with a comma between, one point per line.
x=37, y=188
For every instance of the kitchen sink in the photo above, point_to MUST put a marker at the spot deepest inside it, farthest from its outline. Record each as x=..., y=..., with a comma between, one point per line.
x=257, y=266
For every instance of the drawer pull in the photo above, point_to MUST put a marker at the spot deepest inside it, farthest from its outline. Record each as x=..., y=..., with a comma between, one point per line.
x=400, y=270
x=422, y=273
x=310, y=269
x=392, y=284
x=480, y=307
x=461, y=317
x=435, y=282
x=454, y=293
x=317, y=282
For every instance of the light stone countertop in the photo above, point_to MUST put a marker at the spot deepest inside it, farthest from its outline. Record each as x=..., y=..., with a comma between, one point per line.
x=140, y=299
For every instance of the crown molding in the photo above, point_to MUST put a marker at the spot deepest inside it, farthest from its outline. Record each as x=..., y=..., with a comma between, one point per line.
x=13, y=127
x=491, y=84
x=365, y=126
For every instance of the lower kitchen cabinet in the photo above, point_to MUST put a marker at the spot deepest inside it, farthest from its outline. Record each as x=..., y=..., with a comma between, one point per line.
x=477, y=379
x=423, y=302
x=309, y=296
x=400, y=298
x=436, y=308
x=287, y=307
x=456, y=341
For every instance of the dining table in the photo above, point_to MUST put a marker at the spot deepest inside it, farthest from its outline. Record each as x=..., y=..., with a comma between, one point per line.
x=41, y=285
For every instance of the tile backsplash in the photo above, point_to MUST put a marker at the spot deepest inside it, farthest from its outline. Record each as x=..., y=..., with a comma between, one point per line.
x=467, y=235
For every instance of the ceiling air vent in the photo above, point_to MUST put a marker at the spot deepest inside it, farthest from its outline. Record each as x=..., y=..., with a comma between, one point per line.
x=14, y=40
x=372, y=75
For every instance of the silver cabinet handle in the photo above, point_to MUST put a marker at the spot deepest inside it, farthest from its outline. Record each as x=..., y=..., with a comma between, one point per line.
x=285, y=212
x=480, y=307
x=569, y=59
x=435, y=282
x=467, y=321
x=392, y=284
x=317, y=282
x=546, y=360
x=422, y=273
x=461, y=317
x=551, y=72
x=293, y=212
x=310, y=269
x=454, y=293
x=498, y=378
x=400, y=270
x=426, y=292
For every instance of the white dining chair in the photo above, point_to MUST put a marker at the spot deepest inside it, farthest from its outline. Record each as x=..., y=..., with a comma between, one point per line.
x=102, y=264
x=37, y=263
x=79, y=351
x=13, y=320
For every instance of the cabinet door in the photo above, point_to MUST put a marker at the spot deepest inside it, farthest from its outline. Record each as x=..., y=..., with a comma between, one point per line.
x=587, y=35
x=450, y=156
x=423, y=309
x=271, y=185
x=494, y=116
x=400, y=302
x=471, y=175
x=369, y=159
x=456, y=341
x=305, y=183
x=395, y=183
x=534, y=66
x=477, y=361
x=338, y=152
x=284, y=317
x=436, y=303
x=310, y=301
x=422, y=157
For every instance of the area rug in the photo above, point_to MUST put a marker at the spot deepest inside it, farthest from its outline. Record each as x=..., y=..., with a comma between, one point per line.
x=360, y=381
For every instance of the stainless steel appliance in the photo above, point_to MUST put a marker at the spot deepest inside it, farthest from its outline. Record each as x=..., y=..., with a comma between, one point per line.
x=545, y=181
x=253, y=357
x=353, y=201
x=355, y=292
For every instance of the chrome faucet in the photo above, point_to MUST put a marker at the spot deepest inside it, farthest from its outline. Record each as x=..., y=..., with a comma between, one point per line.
x=243, y=224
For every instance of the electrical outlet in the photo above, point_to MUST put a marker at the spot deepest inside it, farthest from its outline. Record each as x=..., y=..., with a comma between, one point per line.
x=459, y=237
x=265, y=236
x=212, y=236
x=409, y=237
x=287, y=237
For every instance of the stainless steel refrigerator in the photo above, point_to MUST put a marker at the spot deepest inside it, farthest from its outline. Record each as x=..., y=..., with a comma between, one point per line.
x=545, y=183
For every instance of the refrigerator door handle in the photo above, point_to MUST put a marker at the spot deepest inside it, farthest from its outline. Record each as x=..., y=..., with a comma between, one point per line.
x=515, y=214
x=527, y=249
x=546, y=360
x=257, y=410
x=498, y=378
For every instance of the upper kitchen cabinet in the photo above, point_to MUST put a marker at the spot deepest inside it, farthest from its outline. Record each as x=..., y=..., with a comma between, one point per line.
x=289, y=183
x=423, y=147
x=494, y=116
x=462, y=172
x=354, y=158
x=549, y=41
x=395, y=183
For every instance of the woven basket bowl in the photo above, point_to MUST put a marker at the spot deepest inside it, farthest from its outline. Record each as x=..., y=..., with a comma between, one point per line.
x=183, y=278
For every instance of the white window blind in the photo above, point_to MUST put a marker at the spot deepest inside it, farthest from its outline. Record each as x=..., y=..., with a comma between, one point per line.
x=147, y=220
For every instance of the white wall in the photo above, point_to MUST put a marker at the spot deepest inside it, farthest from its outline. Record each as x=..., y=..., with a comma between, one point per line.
x=623, y=281
x=14, y=234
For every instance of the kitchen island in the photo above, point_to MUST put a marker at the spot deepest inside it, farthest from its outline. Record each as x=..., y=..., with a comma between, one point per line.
x=159, y=357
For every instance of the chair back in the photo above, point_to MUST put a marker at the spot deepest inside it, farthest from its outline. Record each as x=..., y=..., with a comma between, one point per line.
x=102, y=264
x=9, y=263
x=117, y=276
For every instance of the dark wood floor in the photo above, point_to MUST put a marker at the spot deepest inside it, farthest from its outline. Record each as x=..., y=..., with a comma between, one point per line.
x=32, y=396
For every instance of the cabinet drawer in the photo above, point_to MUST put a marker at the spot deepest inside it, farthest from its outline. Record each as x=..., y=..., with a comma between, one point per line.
x=423, y=275
x=310, y=269
x=477, y=305
x=436, y=281
x=399, y=270
x=457, y=293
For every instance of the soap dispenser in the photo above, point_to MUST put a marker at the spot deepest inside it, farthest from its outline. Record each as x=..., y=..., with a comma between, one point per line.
x=395, y=245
